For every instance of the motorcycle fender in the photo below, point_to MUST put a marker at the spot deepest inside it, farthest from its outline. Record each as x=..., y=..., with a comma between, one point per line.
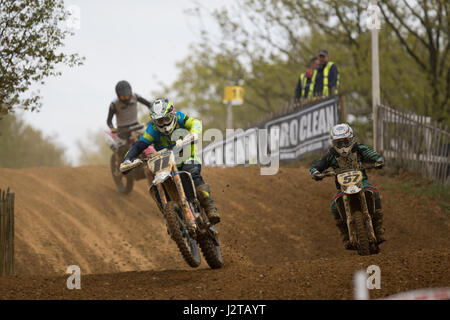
x=161, y=177
x=352, y=189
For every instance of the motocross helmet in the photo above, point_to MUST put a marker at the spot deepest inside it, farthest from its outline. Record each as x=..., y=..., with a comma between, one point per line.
x=342, y=138
x=163, y=115
x=123, y=91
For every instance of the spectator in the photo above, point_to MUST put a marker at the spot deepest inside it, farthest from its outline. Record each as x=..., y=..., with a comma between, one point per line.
x=306, y=82
x=327, y=80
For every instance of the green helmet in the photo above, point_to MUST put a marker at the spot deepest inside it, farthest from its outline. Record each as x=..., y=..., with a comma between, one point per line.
x=163, y=115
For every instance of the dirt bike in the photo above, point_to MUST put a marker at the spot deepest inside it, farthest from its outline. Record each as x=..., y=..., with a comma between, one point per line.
x=186, y=220
x=120, y=147
x=357, y=208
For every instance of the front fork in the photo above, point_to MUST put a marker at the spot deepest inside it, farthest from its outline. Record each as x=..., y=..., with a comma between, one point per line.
x=185, y=203
x=192, y=226
x=366, y=216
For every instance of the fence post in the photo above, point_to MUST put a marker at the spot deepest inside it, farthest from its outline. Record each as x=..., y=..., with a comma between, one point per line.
x=6, y=233
x=342, y=109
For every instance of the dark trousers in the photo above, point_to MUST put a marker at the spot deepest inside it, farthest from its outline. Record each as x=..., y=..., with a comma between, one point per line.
x=195, y=170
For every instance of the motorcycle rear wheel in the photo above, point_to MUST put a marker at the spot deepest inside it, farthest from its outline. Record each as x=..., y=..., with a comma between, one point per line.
x=363, y=245
x=179, y=233
x=123, y=183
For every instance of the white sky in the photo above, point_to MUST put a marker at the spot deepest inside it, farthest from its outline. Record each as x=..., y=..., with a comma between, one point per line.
x=136, y=40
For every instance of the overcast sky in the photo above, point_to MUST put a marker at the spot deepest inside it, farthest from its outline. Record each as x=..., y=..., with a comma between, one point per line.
x=136, y=40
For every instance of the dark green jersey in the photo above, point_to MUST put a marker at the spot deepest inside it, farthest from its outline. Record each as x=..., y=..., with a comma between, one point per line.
x=329, y=160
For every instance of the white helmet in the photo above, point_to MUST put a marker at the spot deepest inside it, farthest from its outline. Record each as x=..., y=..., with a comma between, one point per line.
x=163, y=115
x=342, y=138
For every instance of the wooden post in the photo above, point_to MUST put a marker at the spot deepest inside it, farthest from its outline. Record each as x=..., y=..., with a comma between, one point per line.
x=342, y=109
x=6, y=233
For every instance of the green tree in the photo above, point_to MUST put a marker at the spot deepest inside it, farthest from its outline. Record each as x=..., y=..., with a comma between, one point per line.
x=23, y=146
x=267, y=44
x=31, y=38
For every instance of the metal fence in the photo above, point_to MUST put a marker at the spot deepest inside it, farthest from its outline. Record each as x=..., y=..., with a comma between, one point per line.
x=6, y=233
x=414, y=142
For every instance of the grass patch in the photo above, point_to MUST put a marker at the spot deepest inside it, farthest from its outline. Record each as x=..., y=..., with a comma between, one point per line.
x=413, y=183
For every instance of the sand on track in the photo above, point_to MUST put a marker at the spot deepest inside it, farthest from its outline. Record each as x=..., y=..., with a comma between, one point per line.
x=278, y=238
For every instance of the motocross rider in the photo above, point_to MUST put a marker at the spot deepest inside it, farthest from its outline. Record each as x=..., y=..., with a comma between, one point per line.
x=165, y=120
x=125, y=110
x=346, y=153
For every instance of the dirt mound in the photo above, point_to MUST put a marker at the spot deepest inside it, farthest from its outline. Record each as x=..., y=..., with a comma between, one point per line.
x=277, y=234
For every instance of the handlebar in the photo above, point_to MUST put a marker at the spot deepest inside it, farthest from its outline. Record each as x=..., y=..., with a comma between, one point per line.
x=136, y=127
x=364, y=166
x=327, y=173
x=139, y=161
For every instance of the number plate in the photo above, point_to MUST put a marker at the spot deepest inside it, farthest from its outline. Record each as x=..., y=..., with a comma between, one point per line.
x=162, y=162
x=350, y=178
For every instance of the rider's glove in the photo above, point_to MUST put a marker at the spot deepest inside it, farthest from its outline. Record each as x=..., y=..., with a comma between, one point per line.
x=379, y=164
x=124, y=165
x=179, y=143
x=190, y=137
x=316, y=176
x=114, y=130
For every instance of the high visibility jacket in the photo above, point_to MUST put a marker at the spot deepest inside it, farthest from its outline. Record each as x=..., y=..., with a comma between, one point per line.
x=326, y=72
x=308, y=88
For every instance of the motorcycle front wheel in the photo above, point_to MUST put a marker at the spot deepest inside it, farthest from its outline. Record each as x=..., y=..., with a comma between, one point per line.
x=361, y=234
x=211, y=250
x=123, y=182
x=179, y=233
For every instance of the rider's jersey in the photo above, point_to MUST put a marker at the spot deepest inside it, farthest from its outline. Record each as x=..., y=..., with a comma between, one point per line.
x=329, y=160
x=160, y=141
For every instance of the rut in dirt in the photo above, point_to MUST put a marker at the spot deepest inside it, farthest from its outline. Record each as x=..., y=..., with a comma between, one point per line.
x=68, y=216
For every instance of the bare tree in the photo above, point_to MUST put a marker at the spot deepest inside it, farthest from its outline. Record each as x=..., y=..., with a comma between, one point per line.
x=423, y=29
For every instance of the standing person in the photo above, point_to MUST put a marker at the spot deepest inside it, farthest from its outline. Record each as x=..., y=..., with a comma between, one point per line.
x=327, y=80
x=306, y=81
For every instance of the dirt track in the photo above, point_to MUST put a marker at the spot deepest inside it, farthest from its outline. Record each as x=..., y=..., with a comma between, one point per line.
x=278, y=237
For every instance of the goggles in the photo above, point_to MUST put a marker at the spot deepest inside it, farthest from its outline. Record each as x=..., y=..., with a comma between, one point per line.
x=164, y=120
x=342, y=143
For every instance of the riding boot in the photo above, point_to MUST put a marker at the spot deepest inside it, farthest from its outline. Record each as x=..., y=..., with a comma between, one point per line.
x=204, y=196
x=378, y=225
x=344, y=234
